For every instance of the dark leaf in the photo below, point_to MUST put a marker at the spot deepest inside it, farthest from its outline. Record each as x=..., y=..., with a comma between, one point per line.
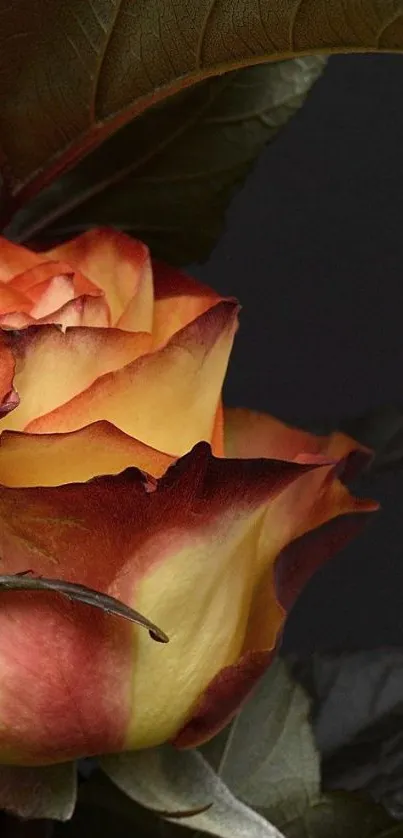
x=269, y=760
x=103, y=810
x=341, y=815
x=358, y=721
x=167, y=177
x=72, y=73
x=39, y=792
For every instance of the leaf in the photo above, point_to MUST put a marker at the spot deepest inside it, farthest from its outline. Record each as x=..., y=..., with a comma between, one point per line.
x=358, y=721
x=103, y=810
x=169, y=780
x=167, y=177
x=270, y=759
x=83, y=594
x=72, y=73
x=341, y=815
x=39, y=792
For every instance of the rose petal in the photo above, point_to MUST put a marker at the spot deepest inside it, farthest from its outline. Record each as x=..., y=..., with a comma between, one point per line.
x=14, y=258
x=16, y=320
x=252, y=434
x=223, y=698
x=52, y=366
x=82, y=311
x=217, y=437
x=178, y=300
x=119, y=266
x=169, y=398
x=12, y=300
x=52, y=295
x=138, y=314
x=289, y=532
x=55, y=459
x=80, y=682
x=9, y=399
x=32, y=282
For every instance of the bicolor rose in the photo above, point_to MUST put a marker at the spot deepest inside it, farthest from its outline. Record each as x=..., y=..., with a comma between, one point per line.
x=120, y=470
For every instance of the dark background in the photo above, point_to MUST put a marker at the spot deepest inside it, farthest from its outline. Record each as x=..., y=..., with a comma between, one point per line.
x=313, y=249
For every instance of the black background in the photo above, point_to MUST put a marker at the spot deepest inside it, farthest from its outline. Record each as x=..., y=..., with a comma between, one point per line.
x=313, y=248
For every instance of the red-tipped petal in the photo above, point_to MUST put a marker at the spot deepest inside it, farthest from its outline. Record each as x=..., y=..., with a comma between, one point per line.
x=169, y=398
x=77, y=682
x=309, y=521
x=178, y=300
x=54, y=366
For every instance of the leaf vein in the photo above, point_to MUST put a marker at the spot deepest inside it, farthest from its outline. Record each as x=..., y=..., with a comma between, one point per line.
x=200, y=43
x=386, y=26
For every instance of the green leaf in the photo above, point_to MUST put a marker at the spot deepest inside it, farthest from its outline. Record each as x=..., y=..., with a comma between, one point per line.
x=103, y=810
x=269, y=759
x=167, y=780
x=72, y=73
x=39, y=792
x=168, y=176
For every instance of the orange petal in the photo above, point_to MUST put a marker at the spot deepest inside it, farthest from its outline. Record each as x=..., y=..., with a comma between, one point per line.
x=169, y=398
x=12, y=300
x=52, y=367
x=252, y=434
x=183, y=554
x=217, y=438
x=14, y=259
x=178, y=300
x=119, y=266
x=138, y=314
x=55, y=459
x=31, y=282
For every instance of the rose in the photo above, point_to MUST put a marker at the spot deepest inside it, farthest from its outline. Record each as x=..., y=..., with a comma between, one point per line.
x=107, y=479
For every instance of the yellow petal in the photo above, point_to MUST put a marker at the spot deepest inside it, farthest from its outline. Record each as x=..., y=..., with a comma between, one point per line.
x=167, y=399
x=53, y=366
x=57, y=459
